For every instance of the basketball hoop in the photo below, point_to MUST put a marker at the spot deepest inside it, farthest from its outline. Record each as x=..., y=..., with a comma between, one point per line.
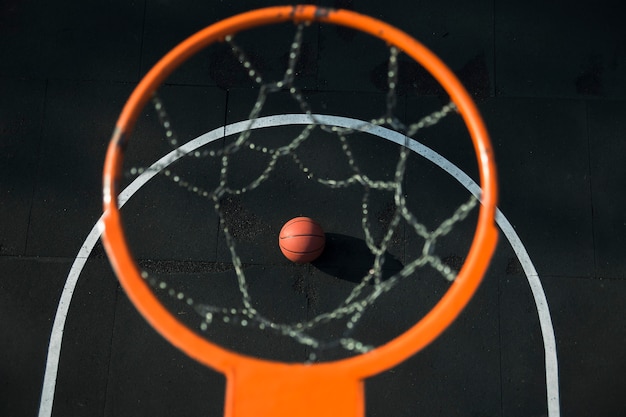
x=269, y=388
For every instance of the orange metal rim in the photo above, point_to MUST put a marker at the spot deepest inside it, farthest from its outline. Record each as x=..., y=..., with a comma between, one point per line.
x=381, y=358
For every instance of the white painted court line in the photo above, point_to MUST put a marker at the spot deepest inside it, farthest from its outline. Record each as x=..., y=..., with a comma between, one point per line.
x=543, y=311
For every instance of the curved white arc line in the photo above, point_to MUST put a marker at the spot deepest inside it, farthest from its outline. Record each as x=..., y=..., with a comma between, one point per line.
x=545, y=320
x=56, y=336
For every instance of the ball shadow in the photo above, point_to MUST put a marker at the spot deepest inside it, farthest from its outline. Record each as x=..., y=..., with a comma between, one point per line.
x=350, y=259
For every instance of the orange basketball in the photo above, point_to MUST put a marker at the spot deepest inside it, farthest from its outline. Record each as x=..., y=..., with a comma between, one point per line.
x=301, y=240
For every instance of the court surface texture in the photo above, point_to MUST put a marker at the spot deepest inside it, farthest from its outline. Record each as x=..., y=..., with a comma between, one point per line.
x=543, y=336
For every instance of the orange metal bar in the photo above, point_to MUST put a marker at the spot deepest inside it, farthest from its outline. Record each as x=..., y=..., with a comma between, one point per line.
x=295, y=391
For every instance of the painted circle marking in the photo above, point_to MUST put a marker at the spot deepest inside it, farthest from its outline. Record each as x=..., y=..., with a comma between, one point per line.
x=545, y=320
